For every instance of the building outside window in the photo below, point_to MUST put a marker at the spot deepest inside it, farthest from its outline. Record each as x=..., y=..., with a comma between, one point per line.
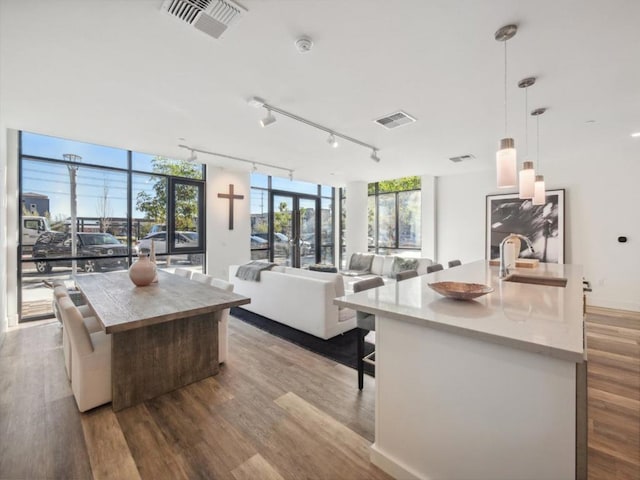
x=394, y=215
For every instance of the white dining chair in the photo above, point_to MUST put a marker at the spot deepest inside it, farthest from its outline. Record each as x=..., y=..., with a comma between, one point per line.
x=91, y=365
x=202, y=278
x=183, y=272
x=223, y=325
x=91, y=323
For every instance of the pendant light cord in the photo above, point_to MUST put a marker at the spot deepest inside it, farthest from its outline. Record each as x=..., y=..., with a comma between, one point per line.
x=526, y=122
x=505, y=89
x=538, y=142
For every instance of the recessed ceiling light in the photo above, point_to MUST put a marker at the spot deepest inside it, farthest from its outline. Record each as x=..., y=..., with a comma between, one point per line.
x=635, y=134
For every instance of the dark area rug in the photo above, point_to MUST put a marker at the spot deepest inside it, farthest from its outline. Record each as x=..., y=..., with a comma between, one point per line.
x=341, y=348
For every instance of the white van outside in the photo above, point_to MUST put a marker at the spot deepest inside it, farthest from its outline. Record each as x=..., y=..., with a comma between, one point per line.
x=32, y=227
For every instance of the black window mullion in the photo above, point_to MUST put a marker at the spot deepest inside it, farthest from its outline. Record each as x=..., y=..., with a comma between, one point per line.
x=129, y=207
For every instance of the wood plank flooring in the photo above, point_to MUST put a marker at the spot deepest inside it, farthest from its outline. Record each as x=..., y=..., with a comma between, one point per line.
x=275, y=412
x=613, y=380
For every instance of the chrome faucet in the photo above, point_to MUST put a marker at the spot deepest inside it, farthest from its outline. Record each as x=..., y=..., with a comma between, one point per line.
x=504, y=271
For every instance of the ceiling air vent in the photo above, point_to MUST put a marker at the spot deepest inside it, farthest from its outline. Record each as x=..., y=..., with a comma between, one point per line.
x=212, y=17
x=462, y=158
x=395, y=120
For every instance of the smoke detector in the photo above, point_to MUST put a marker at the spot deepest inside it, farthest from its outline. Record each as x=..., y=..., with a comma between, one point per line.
x=212, y=17
x=304, y=44
x=395, y=120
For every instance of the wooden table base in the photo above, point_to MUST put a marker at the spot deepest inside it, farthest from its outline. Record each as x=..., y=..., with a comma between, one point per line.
x=149, y=361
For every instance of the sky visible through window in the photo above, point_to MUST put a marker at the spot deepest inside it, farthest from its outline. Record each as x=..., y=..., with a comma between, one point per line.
x=94, y=185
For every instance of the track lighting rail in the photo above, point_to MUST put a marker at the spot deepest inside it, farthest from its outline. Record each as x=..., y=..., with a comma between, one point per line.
x=238, y=159
x=258, y=102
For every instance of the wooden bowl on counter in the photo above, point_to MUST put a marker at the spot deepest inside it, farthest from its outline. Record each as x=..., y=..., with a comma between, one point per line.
x=461, y=290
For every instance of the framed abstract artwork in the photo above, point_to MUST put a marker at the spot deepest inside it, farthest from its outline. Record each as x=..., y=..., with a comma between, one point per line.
x=542, y=224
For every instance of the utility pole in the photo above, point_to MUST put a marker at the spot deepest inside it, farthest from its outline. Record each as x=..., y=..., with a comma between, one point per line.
x=73, y=171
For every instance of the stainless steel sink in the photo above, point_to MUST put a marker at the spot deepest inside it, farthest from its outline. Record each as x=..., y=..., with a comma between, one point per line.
x=537, y=280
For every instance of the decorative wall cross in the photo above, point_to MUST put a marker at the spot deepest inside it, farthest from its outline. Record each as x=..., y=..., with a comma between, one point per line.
x=231, y=198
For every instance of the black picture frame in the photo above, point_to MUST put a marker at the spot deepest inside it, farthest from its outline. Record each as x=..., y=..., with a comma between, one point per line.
x=542, y=224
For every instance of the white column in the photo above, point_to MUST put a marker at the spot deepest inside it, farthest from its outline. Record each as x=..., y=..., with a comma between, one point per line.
x=357, y=219
x=10, y=209
x=3, y=238
x=428, y=223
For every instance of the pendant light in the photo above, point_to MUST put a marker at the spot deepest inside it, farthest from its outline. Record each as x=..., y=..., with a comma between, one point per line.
x=527, y=174
x=506, y=156
x=539, y=190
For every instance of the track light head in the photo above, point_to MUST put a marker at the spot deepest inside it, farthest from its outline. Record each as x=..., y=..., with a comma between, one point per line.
x=374, y=156
x=254, y=168
x=291, y=175
x=192, y=157
x=268, y=120
x=332, y=141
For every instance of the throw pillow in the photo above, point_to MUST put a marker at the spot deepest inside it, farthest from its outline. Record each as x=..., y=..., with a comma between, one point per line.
x=403, y=264
x=361, y=262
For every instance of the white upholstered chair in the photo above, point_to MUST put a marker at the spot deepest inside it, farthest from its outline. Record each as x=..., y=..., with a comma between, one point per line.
x=89, y=319
x=223, y=326
x=183, y=272
x=91, y=354
x=202, y=278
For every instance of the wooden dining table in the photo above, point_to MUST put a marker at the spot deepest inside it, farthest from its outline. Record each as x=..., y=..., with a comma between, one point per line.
x=164, y=335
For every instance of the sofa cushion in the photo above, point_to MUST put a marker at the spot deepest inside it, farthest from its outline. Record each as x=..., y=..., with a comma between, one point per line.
x=423, y=263
x=377, y=264
x=387, y=268
x=361, y=262
x=328, y=277
x=403, y=264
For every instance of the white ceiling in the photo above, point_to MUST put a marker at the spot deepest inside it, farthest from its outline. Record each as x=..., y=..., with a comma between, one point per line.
x=123, y=74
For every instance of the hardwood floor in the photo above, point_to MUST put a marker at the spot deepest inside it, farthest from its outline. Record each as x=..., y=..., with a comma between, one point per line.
x=613, y=380
x=275, y=411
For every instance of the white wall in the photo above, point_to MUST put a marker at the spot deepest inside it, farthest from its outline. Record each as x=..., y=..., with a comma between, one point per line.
x=357, y=220
x=3, y=235
x=428, y=225
x=227, y=247
x=8, y=224
x=601, y=203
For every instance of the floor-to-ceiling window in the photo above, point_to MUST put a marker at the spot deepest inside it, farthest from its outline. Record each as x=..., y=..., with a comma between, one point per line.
x=343, y=228
x=88, y=208
x=394, y=215
x=292, y=222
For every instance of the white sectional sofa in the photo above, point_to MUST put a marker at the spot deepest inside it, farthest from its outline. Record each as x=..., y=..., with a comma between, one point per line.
x=366, y=265
x=299, y=298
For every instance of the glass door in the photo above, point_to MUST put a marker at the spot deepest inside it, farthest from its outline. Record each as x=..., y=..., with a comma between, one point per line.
x=307, y=228
x=294, y=230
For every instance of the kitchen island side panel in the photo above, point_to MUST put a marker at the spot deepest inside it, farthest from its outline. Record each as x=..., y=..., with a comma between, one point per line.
x=451, y=406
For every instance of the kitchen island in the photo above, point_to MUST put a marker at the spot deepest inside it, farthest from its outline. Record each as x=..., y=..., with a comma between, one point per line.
x=492, y=388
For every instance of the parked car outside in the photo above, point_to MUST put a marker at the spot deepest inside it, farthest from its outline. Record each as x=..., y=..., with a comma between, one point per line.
x=32, y=227
x=51, y=245
x=183, y=240
x=258, y=242
x=282, y=243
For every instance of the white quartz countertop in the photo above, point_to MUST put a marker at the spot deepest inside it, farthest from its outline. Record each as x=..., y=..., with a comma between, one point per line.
x=542, y=319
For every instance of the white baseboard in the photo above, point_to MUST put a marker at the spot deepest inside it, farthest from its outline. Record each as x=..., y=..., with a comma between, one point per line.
x=392, y=466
